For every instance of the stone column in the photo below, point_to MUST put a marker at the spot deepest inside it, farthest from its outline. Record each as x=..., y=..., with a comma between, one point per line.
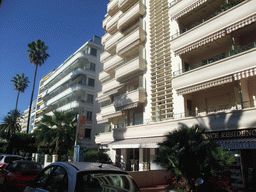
x=141, y=159
x=54, y=158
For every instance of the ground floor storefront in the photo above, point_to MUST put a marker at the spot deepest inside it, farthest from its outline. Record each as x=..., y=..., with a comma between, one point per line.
x=242, y=144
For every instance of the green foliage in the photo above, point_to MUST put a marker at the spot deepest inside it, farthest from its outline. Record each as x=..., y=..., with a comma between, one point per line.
x=56, y=134
x=10, y=124
x=20, y=84
x=187, y=153
x=37, y=56
x=230, y=4
x=96, y=156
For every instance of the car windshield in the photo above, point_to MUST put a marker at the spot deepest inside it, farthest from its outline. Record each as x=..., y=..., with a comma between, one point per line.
x=111, y=182
x=22, y=166
x=9, y=159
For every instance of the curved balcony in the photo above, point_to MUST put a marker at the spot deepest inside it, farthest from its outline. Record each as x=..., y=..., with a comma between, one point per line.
x=99, y=119
x=111, y=26
x=135, y=96
x=112, y=63
x=214, y=26
x=130, y=68
x=112, y=7
x=105, y=21
x=125, y=4
x=104, y=56
x=103, y=76
x=102, y=97
x=110, y=45
x=218, y=69
x=110, y=111
x=72, y=105
x=111, y=86
x=131, y=16
x=131, y=42
x=104, y=38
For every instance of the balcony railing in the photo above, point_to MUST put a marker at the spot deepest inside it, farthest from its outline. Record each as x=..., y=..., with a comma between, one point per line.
x=237, y=50
x=224, y=7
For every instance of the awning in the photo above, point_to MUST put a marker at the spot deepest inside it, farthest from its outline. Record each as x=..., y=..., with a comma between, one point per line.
x=243, y=143
x=201, y=42
x=245, y=74
x=126, y=107
x=206, y=85
x=241, y=24
x=151, y=142
x=188, y=9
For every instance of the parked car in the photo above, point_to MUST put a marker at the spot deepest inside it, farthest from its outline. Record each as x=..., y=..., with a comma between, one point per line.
x=6, y=159
x=82, y=177
x=17, y=173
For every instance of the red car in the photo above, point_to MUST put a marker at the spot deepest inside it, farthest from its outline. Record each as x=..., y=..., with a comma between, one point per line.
x=17, y=173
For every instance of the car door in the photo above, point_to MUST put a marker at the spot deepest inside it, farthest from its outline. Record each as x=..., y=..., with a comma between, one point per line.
x=39, y=183
x=53, y=179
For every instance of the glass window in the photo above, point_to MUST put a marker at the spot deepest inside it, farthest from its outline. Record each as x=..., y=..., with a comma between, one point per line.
x=58, y=181
x=89, y=115
x=41, y=179
x=93, y=51
x=91, y=82
x=92, y=66
x=109, y=182
x=90, y=98
x=87, y=133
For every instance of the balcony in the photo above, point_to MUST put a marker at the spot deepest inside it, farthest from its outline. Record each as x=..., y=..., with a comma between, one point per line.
x=102, y=97
x=110, y=111
x=110, y=45
x=112, y=7
x=112, y=63
x=215, y=27
x=99, y=119
x=131, y=16
x=132, y=97
x=104, y=56
x=125, y=4
x=111, y=86
x=104, y=38
x=130, y=68
x=111, y=26
x=104, y=138
x=71, y=106
x=103, y=76
x=105, y=21
x=131, y=42
x=220, y=68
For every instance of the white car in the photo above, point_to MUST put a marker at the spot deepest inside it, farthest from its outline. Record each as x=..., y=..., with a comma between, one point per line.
x=82, y=177
x=6, y=159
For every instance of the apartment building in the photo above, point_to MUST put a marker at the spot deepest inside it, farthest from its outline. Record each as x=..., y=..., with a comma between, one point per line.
x=24, y=118
x=178, y=63
x=73, y=86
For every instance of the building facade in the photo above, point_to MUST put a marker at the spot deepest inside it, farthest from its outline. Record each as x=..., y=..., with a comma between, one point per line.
x=24, y=118
x=73, y=86
x=169, y=64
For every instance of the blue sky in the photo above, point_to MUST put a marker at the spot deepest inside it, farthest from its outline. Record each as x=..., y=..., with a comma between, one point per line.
x=64, y=26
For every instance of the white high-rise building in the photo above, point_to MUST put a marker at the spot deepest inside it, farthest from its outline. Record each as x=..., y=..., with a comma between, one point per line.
x=178, y=63
x=73, y=86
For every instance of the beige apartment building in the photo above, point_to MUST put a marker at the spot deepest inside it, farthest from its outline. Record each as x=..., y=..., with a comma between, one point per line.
x=178, y=63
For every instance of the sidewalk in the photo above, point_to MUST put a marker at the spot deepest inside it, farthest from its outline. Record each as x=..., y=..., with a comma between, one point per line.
x=158, y=188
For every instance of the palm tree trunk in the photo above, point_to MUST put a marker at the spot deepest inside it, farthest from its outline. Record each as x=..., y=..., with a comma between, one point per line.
x=17, y=100
x=31, y=100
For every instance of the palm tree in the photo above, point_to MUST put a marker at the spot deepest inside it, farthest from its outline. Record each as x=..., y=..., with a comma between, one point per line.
x=37, y=56
x=186, y=153
x=10, y=123
x=57, y=132
x=20, y=84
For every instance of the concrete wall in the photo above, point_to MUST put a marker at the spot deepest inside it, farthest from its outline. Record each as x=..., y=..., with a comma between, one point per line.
x=149, y=178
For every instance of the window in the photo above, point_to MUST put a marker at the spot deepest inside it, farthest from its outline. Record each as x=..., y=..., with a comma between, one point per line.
x=90, y=98
x=93, y=51
x=41, y=179
x=92, y=66
x=91, y=82
x=87, y=133
x=82, y=81
x=58, y=181
x=89, y=115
